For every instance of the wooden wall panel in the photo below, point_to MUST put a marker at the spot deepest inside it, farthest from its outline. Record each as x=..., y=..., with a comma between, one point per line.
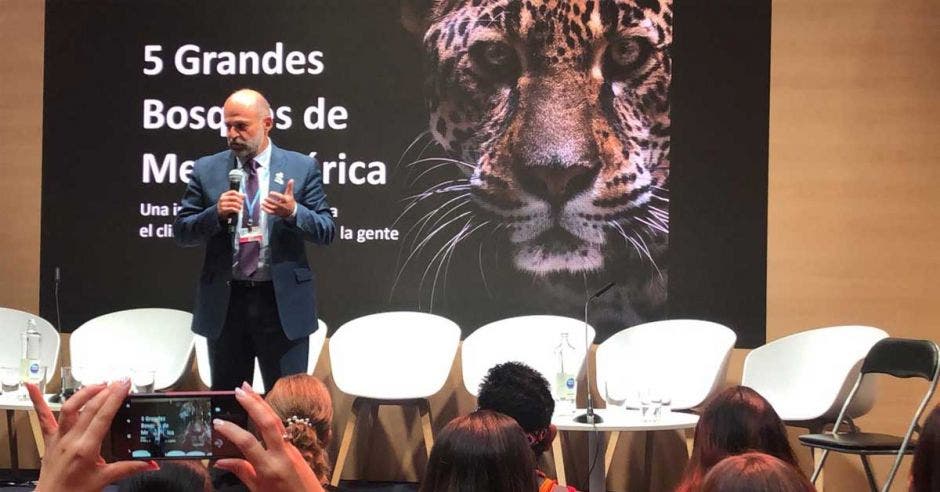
x=854, y=181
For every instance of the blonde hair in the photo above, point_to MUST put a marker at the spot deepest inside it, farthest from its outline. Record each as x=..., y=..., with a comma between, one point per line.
x=304, y=403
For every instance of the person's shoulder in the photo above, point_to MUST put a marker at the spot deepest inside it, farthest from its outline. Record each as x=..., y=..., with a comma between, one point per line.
x=547, y=484
x=294, y=156
x=223, y=158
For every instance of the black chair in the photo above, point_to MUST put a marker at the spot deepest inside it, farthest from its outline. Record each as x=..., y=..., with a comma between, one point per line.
x=898, y=357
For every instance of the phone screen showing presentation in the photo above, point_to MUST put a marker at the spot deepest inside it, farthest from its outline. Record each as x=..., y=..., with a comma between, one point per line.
x=175, y=426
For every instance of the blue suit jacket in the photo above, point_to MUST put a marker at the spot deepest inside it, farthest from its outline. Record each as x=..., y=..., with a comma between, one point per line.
x=198, y=223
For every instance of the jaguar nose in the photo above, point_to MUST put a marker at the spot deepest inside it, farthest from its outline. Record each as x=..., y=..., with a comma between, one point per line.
x=557, y=183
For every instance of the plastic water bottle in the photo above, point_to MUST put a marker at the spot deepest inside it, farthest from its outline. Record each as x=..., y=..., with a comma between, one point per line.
x=32, y=347
x=565, y=377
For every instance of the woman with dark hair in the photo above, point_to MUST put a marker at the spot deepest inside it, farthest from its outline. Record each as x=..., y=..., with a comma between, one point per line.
x=736, y=420
x=173, y=476
x=925, y=470
x=755, y=472
x=482, y=451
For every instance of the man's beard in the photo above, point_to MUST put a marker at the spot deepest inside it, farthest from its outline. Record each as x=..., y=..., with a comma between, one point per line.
x=243, y=149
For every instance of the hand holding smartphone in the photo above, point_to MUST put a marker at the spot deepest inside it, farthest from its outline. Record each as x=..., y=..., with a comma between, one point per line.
x=175, y=426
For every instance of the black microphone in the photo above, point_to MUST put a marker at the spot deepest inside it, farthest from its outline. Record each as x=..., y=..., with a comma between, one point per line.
x=602, y=291
x=57, y=398
x=58, y=315
x=589, y=416
x=235, y=177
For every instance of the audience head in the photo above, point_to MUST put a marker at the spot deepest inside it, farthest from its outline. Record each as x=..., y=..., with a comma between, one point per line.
x=518, y=391
x=481, y=451
x=735, y=421
x=925, y=470
x=755, y=472
x=304, y=404
x=179, y=476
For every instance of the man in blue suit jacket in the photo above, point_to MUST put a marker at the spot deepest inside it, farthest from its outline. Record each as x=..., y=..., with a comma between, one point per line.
x=256, y=295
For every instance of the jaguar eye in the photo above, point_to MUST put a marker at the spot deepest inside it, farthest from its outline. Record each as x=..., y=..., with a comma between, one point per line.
x=625, y=56
x=495, y=60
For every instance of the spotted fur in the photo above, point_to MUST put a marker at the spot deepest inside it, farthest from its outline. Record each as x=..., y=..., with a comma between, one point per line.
x=560, y=110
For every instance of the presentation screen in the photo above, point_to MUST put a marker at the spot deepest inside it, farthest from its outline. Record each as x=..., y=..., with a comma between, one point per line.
x=482, y=159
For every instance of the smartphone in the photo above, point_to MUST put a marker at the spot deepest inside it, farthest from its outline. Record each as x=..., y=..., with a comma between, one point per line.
x=175, y=426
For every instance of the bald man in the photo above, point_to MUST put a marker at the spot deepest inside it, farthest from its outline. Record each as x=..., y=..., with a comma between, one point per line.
x=256, y=295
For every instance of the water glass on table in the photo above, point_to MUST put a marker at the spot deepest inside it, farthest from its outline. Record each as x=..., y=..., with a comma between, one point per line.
x=651, y=404
x=9, y=379
x=665, y=405
x=70, y=383
x=142, y=380
x=615, y=395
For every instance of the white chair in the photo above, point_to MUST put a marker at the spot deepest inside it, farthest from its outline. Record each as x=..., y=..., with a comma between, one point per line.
x=12, y=326
x=394, y=358
x=114, y=344
x=806, y=376
x=528, y=339
x=683, y=359
x=317, y=340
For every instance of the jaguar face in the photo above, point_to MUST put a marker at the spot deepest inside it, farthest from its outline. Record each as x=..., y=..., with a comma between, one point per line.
x=558, y=112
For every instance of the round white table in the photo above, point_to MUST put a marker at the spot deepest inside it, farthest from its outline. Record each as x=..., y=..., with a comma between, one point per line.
x=616, y=420
x=10, y=403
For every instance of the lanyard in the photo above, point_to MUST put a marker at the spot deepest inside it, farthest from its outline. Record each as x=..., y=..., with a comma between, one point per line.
x=251, y=202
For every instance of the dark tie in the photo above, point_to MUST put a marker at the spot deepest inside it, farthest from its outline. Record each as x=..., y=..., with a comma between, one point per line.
x=249, y=252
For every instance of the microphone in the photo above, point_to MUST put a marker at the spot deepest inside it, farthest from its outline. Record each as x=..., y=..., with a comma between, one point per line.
x=57, y=398
x=58, y=315
x=589, y=416
x=235, y=177
x=602, y=291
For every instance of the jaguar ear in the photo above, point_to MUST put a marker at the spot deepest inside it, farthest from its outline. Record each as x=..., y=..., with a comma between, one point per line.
x=416, y=15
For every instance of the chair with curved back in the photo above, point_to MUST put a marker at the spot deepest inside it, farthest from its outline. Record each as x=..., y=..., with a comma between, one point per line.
x=683, y=359
x=113, y=344
x=528, y=339
x=13, y=323
x=806, y=376
x=897, y=357
x=392, y=358
x=531, y=340
x=317, y=340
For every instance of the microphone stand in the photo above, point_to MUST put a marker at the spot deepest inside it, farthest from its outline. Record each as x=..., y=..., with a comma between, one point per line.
x=595, y=475
x=589, y=416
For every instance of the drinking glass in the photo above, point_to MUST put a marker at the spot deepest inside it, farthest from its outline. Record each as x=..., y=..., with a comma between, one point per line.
x=651, y=402
x=9, y=379
x=70, y=384
x=614, y=395
x=666, y=405
x=142, y=380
